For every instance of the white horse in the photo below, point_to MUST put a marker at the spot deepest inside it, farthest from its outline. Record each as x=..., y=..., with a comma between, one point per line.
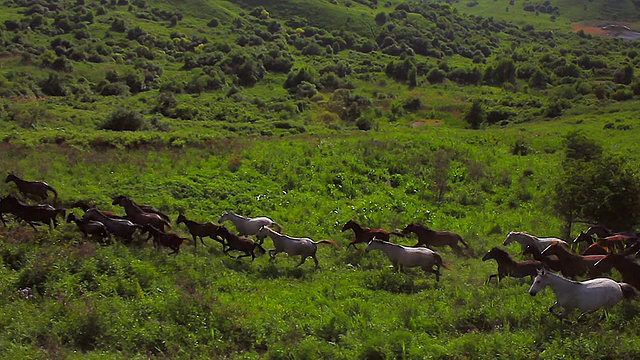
x=588, y=296
x=248, y=226
x=529, y=240
x=305, y=247
x=408, y=256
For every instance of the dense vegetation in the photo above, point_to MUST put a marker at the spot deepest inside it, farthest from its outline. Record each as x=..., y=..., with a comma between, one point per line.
x=462, y=116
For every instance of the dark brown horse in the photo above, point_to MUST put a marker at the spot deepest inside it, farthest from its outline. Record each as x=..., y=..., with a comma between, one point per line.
x=596, y=249
x=161, y=238
x=31, y=214
x=139, y=216
x=243, y=244
x=202, y=230
x=573, y=265
x=429, y=237
x=366, y=234
x=89, y=227
x=37, y=188
x=629, y=269
x=86, y=206
x=552, y=262
x=509, y=267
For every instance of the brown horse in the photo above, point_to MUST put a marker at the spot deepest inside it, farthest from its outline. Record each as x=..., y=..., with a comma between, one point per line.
x=429, y=237
x=202, y=230
x=552, y=262
x=243, y=244
x=86, y=206
x=366, y=234
x=31, y=214
x=89, y=227
x=139, y=216
x=509, y=267
x=37, y=188
x=596, y=249
x=573, y=265
x=629, y=269
x=161, y=238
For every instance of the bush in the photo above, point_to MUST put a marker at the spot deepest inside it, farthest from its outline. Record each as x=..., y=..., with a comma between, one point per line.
x=124, y=120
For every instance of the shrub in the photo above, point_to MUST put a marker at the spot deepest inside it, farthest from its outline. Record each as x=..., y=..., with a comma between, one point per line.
x=364, y=124
x=123, y=120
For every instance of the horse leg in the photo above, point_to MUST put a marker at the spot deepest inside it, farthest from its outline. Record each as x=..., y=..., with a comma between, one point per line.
x=492, y=276
x=315, y=259
x=272, y=254
x=245, y=255
x=302, y=260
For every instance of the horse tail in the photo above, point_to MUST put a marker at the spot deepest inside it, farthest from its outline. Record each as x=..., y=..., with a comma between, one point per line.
x=55, y=193
x=628, y=290
x=327, y=241
x=439, y=261
x=463, y=242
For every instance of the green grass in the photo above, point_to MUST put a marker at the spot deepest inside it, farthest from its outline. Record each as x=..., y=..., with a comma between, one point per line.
x=133, y=301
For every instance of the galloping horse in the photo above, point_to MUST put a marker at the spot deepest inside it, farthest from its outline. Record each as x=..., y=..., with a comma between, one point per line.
x=161, y=238
x=509, y=267
x=248, y=226
x=366, y=234
x=119, y=227
x=243, y=244
x=429, y=237
x=31, y=214
x=89, y=227
x=37, y=188
x=526, y=239
x=629, y=269
x=201, y=230
x=305, y=247
x=401, y=256
x=588, y=296
x=138, y=216
x=573, y=264
x=552, y=262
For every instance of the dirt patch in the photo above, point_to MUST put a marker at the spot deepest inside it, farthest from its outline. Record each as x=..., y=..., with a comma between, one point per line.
x=589, y=29
x=432, y=122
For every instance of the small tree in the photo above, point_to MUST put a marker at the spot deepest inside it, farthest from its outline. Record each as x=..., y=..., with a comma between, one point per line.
x=476, y=115
x=595, y=187
x=123, y=120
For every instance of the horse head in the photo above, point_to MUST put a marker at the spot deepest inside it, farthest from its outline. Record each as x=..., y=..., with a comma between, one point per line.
x=181, y=218
x=10, y=177
x=349, y=225
x=119, y=200
x=538, y=283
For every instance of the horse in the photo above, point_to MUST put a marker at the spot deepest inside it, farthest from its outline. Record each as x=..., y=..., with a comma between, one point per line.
x=509, y=267
x=31, y=214
x=429, y=237
x=89, y=227
x=138, y=216
x=243, y=244
x=86, y=206
x=366, y=234
x=37, y=188
x=587, y=296
x=584, y=237
x=552, y=262
x=121, y=228
x=161, y=238
x=248, y=226
x=602, y=231
x=303, y=246
x=525, y=240
x=201, y=230
x=573, y=264
x=407, y=256
x=629, y=269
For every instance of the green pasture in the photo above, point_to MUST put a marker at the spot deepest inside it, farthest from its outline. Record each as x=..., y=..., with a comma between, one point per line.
x=66, y=297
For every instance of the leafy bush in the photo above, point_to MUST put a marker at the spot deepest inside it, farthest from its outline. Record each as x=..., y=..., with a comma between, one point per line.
x=124, y=120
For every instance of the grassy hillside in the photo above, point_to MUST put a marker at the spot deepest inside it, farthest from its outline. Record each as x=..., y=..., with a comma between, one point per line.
x=312, y=113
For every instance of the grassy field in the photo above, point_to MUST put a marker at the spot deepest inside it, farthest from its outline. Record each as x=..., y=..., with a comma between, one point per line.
x=265, y=149
x=63, y=297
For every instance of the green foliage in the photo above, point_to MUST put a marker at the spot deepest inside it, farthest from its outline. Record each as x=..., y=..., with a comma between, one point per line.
x=476, y=115
x=596, y=188
x=124, y=120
